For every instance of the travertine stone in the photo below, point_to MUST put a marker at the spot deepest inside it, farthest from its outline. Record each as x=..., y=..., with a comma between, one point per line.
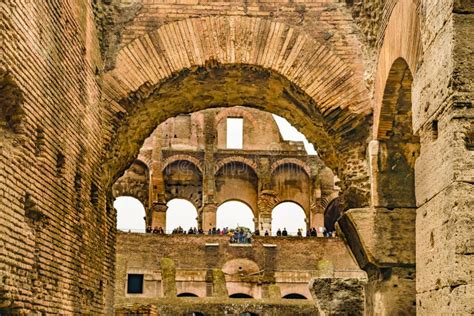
x=339, y=296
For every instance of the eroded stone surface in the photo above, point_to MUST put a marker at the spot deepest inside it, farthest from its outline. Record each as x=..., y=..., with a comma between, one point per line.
x=339, y=296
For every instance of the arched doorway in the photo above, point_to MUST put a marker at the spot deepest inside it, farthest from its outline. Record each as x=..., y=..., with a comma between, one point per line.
x=233, y=214
x=186, y=294
x=180, y=213
x=288, y=215
x=240, y=295
x=294, y=296
x=130, y=214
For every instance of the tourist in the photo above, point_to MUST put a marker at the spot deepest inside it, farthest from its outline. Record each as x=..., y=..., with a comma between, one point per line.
x=257, y=232
x=300, y=233
x=325, y=232
x=249, y=237
x=278, y=232
x=284, y=232
x=148, y=229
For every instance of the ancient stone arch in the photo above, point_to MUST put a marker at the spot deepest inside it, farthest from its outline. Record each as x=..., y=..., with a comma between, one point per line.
x=402, y=39
x=392, y=155
x=292, y=183
x=183, y=179
x=230, y=160
x=134, y=183
x=160, y=58
x=185, y=159
x=236, y=174
x=293, y=161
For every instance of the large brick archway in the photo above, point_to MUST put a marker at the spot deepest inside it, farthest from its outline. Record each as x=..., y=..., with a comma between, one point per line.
x=195, y=64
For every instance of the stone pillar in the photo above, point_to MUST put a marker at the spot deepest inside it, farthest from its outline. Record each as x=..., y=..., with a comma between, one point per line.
x=373, y=154
x=267, y=200
x=265, y=222
x=355, y=176
x=158, y=215
x=383, y=244
x=209, y=211
x=168, y=277
x=316, y=215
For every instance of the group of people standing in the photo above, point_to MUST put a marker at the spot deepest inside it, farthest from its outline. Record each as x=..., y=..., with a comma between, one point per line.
x=240, y=235
x=155, y=230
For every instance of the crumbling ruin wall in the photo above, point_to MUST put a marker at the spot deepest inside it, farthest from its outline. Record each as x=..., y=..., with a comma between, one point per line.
x=56, y=234
x=208, y=266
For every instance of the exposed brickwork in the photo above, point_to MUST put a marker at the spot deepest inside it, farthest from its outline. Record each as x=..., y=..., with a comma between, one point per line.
x=289, y=265
x=54, y=258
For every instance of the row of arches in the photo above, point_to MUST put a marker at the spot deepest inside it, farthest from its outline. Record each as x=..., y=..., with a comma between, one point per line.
x=291, y=296
x=290, y=181
x=182, y=213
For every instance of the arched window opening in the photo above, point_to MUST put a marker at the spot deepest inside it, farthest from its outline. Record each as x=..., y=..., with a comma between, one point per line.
x=294, y=296
x=180, y=214
x=183, y=180
x=186, y=294
x=240, y=295
x=289, y=217
x=398, y=147
x=233, y=214
x=130, y=214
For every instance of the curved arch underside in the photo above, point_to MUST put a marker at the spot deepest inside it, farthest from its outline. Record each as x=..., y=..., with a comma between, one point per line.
x=200, y=63
x=402, y=40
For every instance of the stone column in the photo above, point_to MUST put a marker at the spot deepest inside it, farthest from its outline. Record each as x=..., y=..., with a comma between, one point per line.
x=355, y=176
x=316, y=215
x=265, y=222
x=267, y=200
x=158, y=215
x=209, y=216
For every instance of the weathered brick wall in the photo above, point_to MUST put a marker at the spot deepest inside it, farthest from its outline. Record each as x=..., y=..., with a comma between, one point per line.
x=290, y=265
x=57, y=239
x=292, y=253
x=216, y=307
